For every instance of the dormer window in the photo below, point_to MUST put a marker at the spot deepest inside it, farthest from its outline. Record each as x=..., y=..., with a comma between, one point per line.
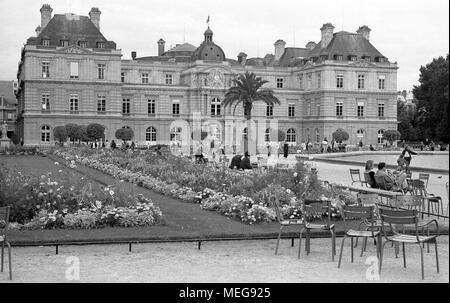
x=82, y=44
x=45, y=42
x=338, y=57
x=100, y=44
x=323, y=57
x=352, y=58
x=366, y=58
x=63, y=43
x=380, y=59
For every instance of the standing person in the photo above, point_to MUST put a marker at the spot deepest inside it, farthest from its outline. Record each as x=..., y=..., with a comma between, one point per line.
x=268, y=150
x=132, y=145
x=245, y=162
x=285, y=149
x=407, y=154
x=361, y=145
x=421, y=145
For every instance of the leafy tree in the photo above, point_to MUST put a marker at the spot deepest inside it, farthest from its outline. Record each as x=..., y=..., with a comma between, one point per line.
x=340, y=135
x=406, y=119
x=247, y=90
x=95, y=131
x=60, y=134
x=433, y=105
x=124, y=134
x=72, y=131
x=391, y=135
x=82, y=134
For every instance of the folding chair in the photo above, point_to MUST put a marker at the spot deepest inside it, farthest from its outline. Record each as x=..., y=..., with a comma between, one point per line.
x=406, y=217
x=356, y=176
x=359, y=212
x=419, y=188
x=4, y=226
x=425, y=178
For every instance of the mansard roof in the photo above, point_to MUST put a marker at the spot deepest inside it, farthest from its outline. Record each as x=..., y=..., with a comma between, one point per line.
x=7, y=91
x=346, y=44
x=73, y=28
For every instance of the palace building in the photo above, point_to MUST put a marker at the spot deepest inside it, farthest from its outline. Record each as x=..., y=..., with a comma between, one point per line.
x=70, y=73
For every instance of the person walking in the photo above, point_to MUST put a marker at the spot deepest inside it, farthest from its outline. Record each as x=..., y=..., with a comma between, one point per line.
x=407, y=154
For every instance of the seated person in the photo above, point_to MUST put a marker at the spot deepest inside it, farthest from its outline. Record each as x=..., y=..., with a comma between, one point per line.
x=369, y=169
x=245, y=162
x=392, y=181
x=235, y=162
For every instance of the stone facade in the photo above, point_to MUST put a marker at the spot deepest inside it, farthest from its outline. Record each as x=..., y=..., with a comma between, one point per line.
x=152, y=86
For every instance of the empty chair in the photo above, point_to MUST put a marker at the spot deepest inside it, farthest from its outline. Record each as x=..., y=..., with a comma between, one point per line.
x=434, y=202
x=275, y=203
x=394, y=217
x=356, y=176
x=359, y=212
x=369, y=200
x=4, y=226
x=317, y=215
x=425, y=178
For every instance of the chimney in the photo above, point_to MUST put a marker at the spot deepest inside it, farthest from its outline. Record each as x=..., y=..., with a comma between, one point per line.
x=161, y=46
x=46, y=15
x=310, y=45
x=279, y=49
x=364, y=31
x=133, y=55
x=242, y=58
x=327, y=34
x=94, y=15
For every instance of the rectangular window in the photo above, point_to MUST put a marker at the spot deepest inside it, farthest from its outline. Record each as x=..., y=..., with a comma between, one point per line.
x=45, y=102
x=381, y=82
x=339, y=81
x=381, y=110
x=10, y=116
x=46, y=42
x=101, y=104
x=64, y=43
x=151, y=107
x=73, y=103
x=122, y=77
x=82, y=44
x=319, y=79
x=318, y=109
x=339, y=109
x=300, y=80
x=101, y=71
x=279, y=82
x=361, y=81
x=352, y=58
x=168, y=79
x=269, y=111
x=291, y=110
x=125, y=106
x=73, y=70
x=338, y=57
x=309, y=80
x=45, y=69
x=308, y=108
x=176, y=108
x=144, y=78
x=360, y=109
x=100, y=45
x=215, y=107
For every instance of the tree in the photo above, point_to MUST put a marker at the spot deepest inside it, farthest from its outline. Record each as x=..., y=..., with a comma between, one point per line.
x=248, y=89
x=95, y=131
x=391, y=135
x=82, y=134
x=124, y=134
x=60, y=134
x=72, y=131
x=406, y=119
x=433, y=105
x=340, y=135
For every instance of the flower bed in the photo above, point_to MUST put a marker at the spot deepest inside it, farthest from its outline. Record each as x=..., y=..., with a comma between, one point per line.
x=43, y=203
x=236, y=194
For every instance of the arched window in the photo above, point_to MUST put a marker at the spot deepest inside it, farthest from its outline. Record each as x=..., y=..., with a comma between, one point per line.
x=380, y=136
x=291, y=136
x=175, y=134
x=244, y=134
x=360, y=133
x=45, y=133
x=317, y=135
x=267, y=135
x=150, y=134
x=215, y=107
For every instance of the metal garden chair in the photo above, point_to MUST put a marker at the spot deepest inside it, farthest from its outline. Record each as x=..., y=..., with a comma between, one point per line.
x=275, y=202
x=366, y=213
x=4, y=226
x=317, y=215
x=369, y=200
x=425, y=178
x=356, y=176
x=404, y=217
x=419, y=188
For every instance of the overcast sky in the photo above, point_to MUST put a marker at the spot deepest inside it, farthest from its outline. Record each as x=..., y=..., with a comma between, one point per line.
x=411, y=32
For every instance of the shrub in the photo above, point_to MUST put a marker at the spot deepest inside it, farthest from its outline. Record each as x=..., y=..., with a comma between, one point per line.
x=60, y=134
x=340, y=136
x=95, y=131
x=124, y=134
x=391, y=135
x=72, y=131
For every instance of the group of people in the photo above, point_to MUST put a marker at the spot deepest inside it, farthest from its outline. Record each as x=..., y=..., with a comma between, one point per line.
x=394, y=180
x=241, y=162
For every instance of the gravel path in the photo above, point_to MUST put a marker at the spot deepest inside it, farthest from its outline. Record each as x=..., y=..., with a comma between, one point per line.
x=224, y=261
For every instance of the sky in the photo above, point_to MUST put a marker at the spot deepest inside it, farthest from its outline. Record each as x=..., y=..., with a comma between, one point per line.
x=409, y=32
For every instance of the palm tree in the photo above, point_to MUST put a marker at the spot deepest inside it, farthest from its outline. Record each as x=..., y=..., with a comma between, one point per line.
x=247, y=89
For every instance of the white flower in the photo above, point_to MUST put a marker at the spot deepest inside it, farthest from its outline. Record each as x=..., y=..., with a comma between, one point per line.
x=295, y=175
